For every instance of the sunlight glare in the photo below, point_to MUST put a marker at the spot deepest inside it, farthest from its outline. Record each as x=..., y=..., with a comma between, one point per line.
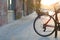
x=48, y=2
x=51, y=13
x=10, y=2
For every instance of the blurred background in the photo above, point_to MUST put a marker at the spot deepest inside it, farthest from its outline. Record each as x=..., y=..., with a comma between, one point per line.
x=17, y=17
x=11, y=10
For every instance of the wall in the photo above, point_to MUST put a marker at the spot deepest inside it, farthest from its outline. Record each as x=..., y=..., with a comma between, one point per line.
x=18, y=9
x=23, y=8
x=3, y=12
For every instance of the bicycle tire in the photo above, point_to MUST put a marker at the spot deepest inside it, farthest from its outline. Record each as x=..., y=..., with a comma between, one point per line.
x=43, y=34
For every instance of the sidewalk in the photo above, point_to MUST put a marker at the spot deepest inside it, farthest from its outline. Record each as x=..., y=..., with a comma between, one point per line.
x=23, y=30
x=19, y=24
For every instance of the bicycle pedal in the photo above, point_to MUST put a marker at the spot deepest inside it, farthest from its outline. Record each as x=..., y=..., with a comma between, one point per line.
x=44, y=30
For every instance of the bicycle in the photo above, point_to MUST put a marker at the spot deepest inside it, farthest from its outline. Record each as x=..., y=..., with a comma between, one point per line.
x=45, y=25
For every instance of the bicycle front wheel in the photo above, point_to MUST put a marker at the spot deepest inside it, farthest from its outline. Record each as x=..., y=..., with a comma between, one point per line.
x=44, y=25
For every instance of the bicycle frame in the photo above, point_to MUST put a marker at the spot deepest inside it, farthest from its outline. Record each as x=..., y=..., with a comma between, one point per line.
x=54, y=17
x=56, y=22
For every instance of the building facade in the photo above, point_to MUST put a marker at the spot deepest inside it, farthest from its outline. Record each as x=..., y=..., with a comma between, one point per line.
x=23, y=8
x=3, y=12
x=11, y=10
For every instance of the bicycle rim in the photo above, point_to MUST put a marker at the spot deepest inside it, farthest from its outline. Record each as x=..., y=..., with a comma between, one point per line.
x=40, y=21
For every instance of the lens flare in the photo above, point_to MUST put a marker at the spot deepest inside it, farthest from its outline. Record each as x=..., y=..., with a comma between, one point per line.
x=49, y=2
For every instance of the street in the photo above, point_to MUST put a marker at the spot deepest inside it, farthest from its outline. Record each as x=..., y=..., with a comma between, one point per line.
x=22, y=29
